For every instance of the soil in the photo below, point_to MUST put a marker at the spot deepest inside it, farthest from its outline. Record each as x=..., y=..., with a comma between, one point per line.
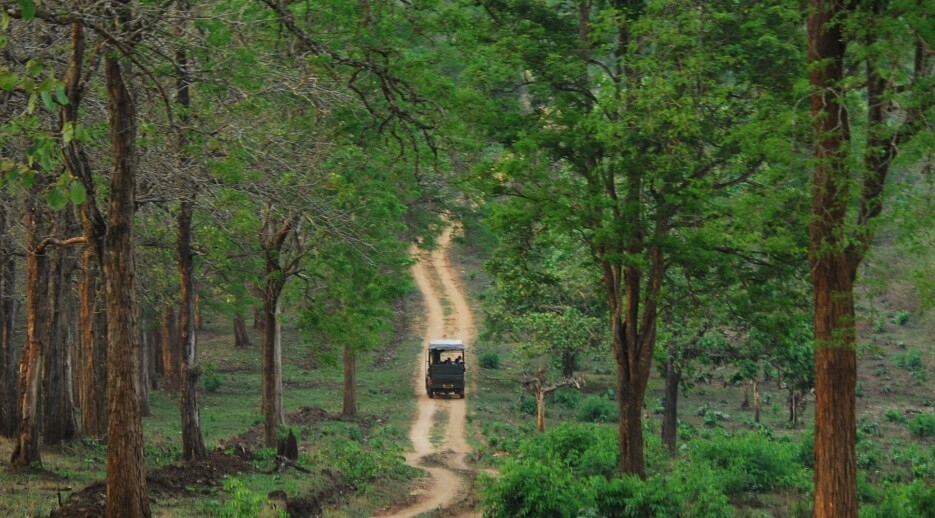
x=447, y=491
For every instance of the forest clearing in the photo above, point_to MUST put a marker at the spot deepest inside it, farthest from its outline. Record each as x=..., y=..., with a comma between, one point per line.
x=684, y=248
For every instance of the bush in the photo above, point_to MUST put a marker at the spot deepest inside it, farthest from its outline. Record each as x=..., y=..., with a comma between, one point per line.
x=568, y=398
x=211, y=379
x=527, y=404
x=912, y=362
x=902, y=317
x=598, y=410
x=489, y=360
x=584, y=448
x=895, y=415
x=751, y=463
x=904, y=501
x=923, y=425
x=533, y=487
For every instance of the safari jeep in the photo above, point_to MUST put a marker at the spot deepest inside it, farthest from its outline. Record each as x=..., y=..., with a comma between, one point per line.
x=444, y=373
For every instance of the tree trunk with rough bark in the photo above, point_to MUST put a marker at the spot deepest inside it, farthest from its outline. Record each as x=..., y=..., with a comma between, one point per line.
x=92, y=393
x=127, y=493
x=8, y=415
x=32, y=361
x=241, y=338
x=670, y=413
x=193, y=445
x=170, y=349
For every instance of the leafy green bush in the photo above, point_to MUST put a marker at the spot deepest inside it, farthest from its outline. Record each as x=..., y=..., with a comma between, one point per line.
x=568, y=398
x=527, y=404
x=243, y=502
x=904, y=501
x=533, y=487
x=630, y=496
x=912, y=361
x=489, y=360
x=902, y=317
x=360, y=465
x=595, y=409
x=923, y=425
x=895, y=415
x=751, y=463
x=584, y=448
x=211, y=379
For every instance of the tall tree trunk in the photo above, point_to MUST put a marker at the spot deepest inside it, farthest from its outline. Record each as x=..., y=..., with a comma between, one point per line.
x=93, y=358
x=272, y=240
x=193, y=446
x=568, y=363
x=170, y=349
x=126, y=471
x=8, y=415
x=241, y=339
x=272, y=365
x=670, y=412
x=350, y=382
x=32, y=362
x=93, y=382
x=833, y=271
x=59, y=422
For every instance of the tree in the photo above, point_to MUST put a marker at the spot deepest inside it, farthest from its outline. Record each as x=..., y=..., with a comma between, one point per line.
x=8, y=419
x=630, y=130
x=847, y=40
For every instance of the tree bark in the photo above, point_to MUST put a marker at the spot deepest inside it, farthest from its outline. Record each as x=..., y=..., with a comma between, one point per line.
x=126, y=471
x=93, y=357
x=350, y=382
x=170, y=350
x=272, y=240
x=8, y=415
x=193, y=446
x=670, y=406
x=59, y=422
x=241, y=338
x=833, y=271
x=32, y=362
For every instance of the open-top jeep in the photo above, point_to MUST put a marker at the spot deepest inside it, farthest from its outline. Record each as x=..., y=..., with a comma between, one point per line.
x=444, y=373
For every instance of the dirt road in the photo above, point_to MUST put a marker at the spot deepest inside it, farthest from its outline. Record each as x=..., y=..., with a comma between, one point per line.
x=440, y=287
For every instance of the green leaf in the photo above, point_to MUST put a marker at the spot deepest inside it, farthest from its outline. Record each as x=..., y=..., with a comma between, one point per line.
x=56, y=198
x=28, y=8
x=47, y=100
x=68, y=132
x=77, y=193
x=31, y=103
x=60, y=96
x=7, y=80
x=45, y=160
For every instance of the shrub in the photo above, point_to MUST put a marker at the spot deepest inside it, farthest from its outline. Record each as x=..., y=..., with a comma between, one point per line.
x=533, y=487
x=584, y=448
x=598, y=410
x=243, y=502
x=895, y=415
x=630, y=496
x=568, y=398
x=912, y=362
x=211, y=379
x=749, y=462
x=902, y=317
x=489, y=360
x=904, y=501
x=527, y=404
x=923, y=425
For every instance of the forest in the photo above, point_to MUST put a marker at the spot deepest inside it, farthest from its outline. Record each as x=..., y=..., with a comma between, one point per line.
x=688, y=244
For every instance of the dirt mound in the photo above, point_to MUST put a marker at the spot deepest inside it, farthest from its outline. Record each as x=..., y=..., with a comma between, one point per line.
x=168, y=481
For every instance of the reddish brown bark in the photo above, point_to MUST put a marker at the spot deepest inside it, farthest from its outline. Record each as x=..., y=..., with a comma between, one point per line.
x=32, y=360
x=170, y=349
x=833, y=271
x=193, y=446
x=126, y=472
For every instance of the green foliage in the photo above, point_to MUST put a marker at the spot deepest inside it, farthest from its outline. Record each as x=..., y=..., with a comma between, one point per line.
x=211, y=378
x=912, y=361
x=904, y=501
x=533, y=488
x=527, y=404
x=750, y=463
x=360, y=465
x=595, y=409
x=894, y=415
x=567, y=397
x=489, y=360
x=243, y=502
x=923, y=425
x=902, y=317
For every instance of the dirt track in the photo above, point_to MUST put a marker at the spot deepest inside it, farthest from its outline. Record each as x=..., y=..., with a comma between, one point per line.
x=438, y=283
